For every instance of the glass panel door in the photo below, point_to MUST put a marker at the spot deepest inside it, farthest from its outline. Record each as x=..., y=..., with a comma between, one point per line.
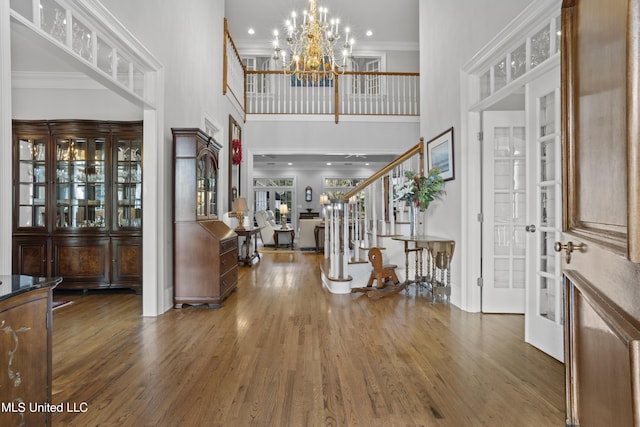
x=32, y=183
x=504, y=208
x=543, y=319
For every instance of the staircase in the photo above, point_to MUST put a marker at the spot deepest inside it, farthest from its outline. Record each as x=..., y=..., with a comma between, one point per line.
x=370, y=215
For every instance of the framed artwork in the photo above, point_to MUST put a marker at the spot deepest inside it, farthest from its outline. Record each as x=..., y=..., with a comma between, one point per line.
x=440, y=154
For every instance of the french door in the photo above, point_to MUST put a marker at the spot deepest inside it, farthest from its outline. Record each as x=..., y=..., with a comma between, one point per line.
x=504, y=199
x=544, y=310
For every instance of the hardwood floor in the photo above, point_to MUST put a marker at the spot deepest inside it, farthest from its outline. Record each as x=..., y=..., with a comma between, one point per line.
x=282, y=351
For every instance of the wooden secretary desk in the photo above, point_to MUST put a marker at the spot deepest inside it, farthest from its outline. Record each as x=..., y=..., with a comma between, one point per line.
x=205, y=253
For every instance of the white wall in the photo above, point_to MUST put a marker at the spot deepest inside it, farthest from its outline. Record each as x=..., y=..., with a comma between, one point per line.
x=88, y=104
x=327, y=137
x=186, y=37
x=451, y=32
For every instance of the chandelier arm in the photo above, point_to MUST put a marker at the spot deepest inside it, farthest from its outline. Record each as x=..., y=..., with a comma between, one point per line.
x=312, y=45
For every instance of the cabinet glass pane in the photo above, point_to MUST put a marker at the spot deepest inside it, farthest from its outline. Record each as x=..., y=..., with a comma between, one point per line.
x=212, y=208
x=129, y=183
x=201, y=197
x=31, y=185
x=80, y=188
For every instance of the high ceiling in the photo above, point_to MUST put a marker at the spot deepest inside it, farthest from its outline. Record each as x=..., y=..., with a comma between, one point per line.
x=394, y=24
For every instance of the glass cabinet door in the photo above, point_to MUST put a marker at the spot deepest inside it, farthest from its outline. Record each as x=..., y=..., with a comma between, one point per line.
x=32, y=182
x=128, y=186
x=201, y=187
x=80, y=188
x=206, y=196
x=212, y=196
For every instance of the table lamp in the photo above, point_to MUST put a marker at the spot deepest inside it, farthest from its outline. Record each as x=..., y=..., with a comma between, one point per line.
x=239, y=206
x=284, y=210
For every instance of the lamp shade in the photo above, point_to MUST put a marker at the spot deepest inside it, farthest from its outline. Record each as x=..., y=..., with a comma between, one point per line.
x=284, y=209
x=324, y=199
x=239, y=205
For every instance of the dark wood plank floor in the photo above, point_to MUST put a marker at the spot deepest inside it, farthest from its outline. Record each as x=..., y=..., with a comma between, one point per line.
x=282, y=351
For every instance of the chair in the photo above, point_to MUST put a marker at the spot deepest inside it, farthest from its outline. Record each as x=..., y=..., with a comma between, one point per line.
x=266, y=223
x=381, y=272
x=306, y=233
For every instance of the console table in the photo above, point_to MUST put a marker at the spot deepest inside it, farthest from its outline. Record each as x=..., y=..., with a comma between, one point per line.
x=25, y=340
x=290, y=231
x=249, y=234
x=438, y=263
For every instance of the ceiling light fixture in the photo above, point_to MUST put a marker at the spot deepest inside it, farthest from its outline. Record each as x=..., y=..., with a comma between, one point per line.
x=312, y=45
x=251, y=31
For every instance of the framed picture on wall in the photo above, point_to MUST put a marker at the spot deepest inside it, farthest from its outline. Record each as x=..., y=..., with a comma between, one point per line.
x=440, y=154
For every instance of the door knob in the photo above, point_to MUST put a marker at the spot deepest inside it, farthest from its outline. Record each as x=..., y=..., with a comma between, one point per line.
x=568, y=248
x=530, y=228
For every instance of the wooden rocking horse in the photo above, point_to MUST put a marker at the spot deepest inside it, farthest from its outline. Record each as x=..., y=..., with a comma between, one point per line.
x=382, y=273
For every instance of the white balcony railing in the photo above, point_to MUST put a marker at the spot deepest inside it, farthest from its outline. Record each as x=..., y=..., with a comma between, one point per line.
x=349, y=93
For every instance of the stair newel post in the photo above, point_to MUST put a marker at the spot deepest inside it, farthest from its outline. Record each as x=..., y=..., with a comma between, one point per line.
x=392, y=219
x=334, y=242
x=374, y=216
x=383, y=222
x=366, y=218
x=327, y=228
x=345, y=239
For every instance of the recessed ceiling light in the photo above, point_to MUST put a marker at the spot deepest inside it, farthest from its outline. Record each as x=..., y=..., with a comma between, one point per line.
x=251, y=31
x=369, y=33
x=367, y=164
x=290, y=164
x=328, y=163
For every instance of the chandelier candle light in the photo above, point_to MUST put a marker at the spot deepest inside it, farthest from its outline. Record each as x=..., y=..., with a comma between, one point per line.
x=312, y=45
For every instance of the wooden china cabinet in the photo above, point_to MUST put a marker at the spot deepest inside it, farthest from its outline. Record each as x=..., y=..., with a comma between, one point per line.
x=205, y=253
x=78, y=202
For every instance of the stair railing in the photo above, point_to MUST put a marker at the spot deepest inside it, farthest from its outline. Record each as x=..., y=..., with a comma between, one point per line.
x=355, y=220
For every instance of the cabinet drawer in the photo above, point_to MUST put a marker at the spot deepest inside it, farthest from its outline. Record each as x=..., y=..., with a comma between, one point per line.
x=227, y=245
x=229, y=281
x=228, y=261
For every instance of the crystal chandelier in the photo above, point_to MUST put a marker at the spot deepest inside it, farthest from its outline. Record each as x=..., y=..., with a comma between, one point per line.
x=312, y=45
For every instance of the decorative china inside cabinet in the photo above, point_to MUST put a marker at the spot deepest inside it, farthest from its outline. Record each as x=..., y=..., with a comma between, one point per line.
x=78, y=202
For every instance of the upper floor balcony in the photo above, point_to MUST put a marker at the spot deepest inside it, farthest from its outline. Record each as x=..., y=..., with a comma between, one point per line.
x=348, y=93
